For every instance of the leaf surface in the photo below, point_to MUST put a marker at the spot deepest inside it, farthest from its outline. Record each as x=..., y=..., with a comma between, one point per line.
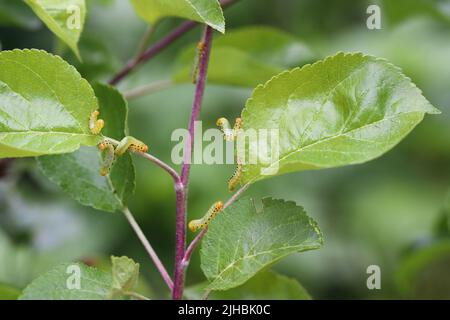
x=78, y=173
x=266, y=285
x=242, y=241
x=60, y=284
x=65, y=18
x=254, y=53
x=44, y=105
x=205, y=11
x=346, y=109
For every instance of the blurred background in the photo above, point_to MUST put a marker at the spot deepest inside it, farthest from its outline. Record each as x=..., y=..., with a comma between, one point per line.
x=392, y=212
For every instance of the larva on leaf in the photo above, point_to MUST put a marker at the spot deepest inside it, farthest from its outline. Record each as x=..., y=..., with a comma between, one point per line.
x=235, y=178
x=132, y=144
x=225, y=127
x=105, y=144
x=95, y=125
x=229, y=134
x=237, y=126
x=197, y=224
x=109, y=157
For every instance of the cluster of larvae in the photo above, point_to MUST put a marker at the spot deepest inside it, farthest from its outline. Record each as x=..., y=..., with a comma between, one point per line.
x=111, y=148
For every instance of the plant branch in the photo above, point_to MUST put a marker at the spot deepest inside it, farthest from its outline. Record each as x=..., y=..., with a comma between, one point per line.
x=153, y=51
x=159, y=46
x=148, y=89
x=155, y=160
x=143, y=44
x=148, y=247
x=4, y=166
x=162, y=165
x=196, y=107
x=181, y=203
x=135, y=295
x=193, y=245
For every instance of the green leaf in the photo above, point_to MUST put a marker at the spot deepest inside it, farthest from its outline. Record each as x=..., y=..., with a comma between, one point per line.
x=65, y=18
x=205, y=11
x=17, y=14
x=266, y=285
x=76, y=281
x=78, y=173
x=125, y=274
x=17, y=261
x=242, y=241
x=60, y=283
x=8, y=293
x=424, y=273
x=98, y=61
x=441, y=227
x=254, y=53
x=346, y=109
x=44, y=105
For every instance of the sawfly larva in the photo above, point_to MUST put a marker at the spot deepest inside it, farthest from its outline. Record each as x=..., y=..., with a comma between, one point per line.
x=229, y=134
x=196, y=67
x=195, y=225
x=130, y=143
x=95, y=125
x=109, y=157
x=235, y=178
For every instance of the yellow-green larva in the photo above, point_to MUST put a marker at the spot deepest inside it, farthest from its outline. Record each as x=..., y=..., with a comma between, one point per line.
x=132, y=144
x=225, y=127
x=229, y=134
x=235, y=178
x=237, y=126
x=197, y=224
x=109, y=157
x=95, y=125
x=200, y=54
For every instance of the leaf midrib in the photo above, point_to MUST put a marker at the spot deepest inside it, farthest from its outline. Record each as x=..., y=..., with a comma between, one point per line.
x=303, y=148
x=299, y=247
x=47, y=85
x=201, y=16
x=250, y=256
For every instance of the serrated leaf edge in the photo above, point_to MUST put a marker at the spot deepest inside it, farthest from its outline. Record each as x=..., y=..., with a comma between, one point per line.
x=219, y=28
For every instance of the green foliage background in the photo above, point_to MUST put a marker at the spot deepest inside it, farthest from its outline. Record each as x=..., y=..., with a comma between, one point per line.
x=390, y=212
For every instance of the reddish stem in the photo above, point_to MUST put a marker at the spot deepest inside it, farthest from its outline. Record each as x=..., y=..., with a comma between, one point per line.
x=193, y=245
x=185, y=169
x=4, y=166
x=159, y=46
x=137, y=229
x=153, y=51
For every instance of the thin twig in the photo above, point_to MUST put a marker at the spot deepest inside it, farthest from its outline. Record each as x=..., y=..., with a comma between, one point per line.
x=206, y=294
x=180, y=240
x=196, y=107
x=148, y=89
x=135, y=295
x=159, y=46
x=153, y=51
x=193, y=245
x=4, y=166
x=162, y=165
x=156, y=161
x=145, y=40
x=148, y=247
x=236, y=195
